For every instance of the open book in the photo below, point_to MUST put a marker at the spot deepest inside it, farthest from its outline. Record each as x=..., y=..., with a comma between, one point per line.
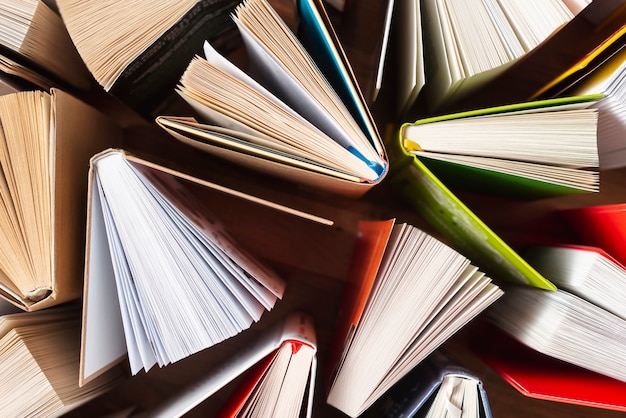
x=468, y=42
x=525, y=57
x=437, y=387
x=46, y=142
x=526, y=150
x=567, y=327
x=539, y=376
x=163, y=277
x=39, y=354
x=303, y=116
x=137, y=50
x=279, y=371
x=572, y=50
x=35, y=46
x=408, y=292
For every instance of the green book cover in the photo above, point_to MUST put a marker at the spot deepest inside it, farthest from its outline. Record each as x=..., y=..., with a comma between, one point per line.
x=455, y=221
x=490, y=179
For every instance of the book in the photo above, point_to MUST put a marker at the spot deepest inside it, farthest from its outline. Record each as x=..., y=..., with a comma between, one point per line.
x=409, y=58
x=30, y=31
x=527, y=150
x=570, y=52
x=279, y=372
x=469, y=43
x=607, y=78
x=163, y=276
x=564, y=326
x=137, y=51
x=39, y=354
x=588, y=272
x=454, y=220
x=409, y=292
x=46, y=142
x=436, y=387
x=296, y=124
x=602, y=226
x=539, y=376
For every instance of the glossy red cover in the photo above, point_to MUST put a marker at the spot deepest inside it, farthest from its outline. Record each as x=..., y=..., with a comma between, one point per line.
x=601, y=226
x=539, y=376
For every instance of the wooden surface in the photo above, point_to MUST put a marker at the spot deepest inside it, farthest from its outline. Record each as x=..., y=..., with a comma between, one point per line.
x=314, y=258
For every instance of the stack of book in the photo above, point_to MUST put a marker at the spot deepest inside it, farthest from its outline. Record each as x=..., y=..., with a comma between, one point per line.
x=253, y=234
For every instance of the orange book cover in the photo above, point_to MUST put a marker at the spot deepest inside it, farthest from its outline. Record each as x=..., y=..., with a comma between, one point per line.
x=371, y=242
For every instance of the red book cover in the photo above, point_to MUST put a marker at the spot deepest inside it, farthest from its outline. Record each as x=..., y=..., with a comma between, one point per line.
x=539, y=376
x=601, y=226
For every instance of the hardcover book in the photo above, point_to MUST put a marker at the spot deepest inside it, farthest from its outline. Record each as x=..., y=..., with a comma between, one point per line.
x=46, y=142
x=304, y=116
x=527, y=150
x=163, y=278
x=279, y=375
x=407, y=292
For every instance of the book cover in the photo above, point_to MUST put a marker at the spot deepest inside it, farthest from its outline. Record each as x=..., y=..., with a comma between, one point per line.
x=602, y=226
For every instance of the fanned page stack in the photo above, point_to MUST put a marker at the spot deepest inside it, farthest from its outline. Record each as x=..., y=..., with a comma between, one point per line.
x=588, y=272
x=35, y=46
x=582, y=323
x=539, y=376
x=39, y=353
x=567, y=327
x=138, y=50
x=290, y=120
x=46, y=141
x=163, y=276
x=407, y=291
x=469, y=42
x=526, y=150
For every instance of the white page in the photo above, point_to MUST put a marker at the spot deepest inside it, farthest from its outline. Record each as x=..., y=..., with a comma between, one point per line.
x=299, y=98
x=103, y=332
x=178, y=303
x=140, y=352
